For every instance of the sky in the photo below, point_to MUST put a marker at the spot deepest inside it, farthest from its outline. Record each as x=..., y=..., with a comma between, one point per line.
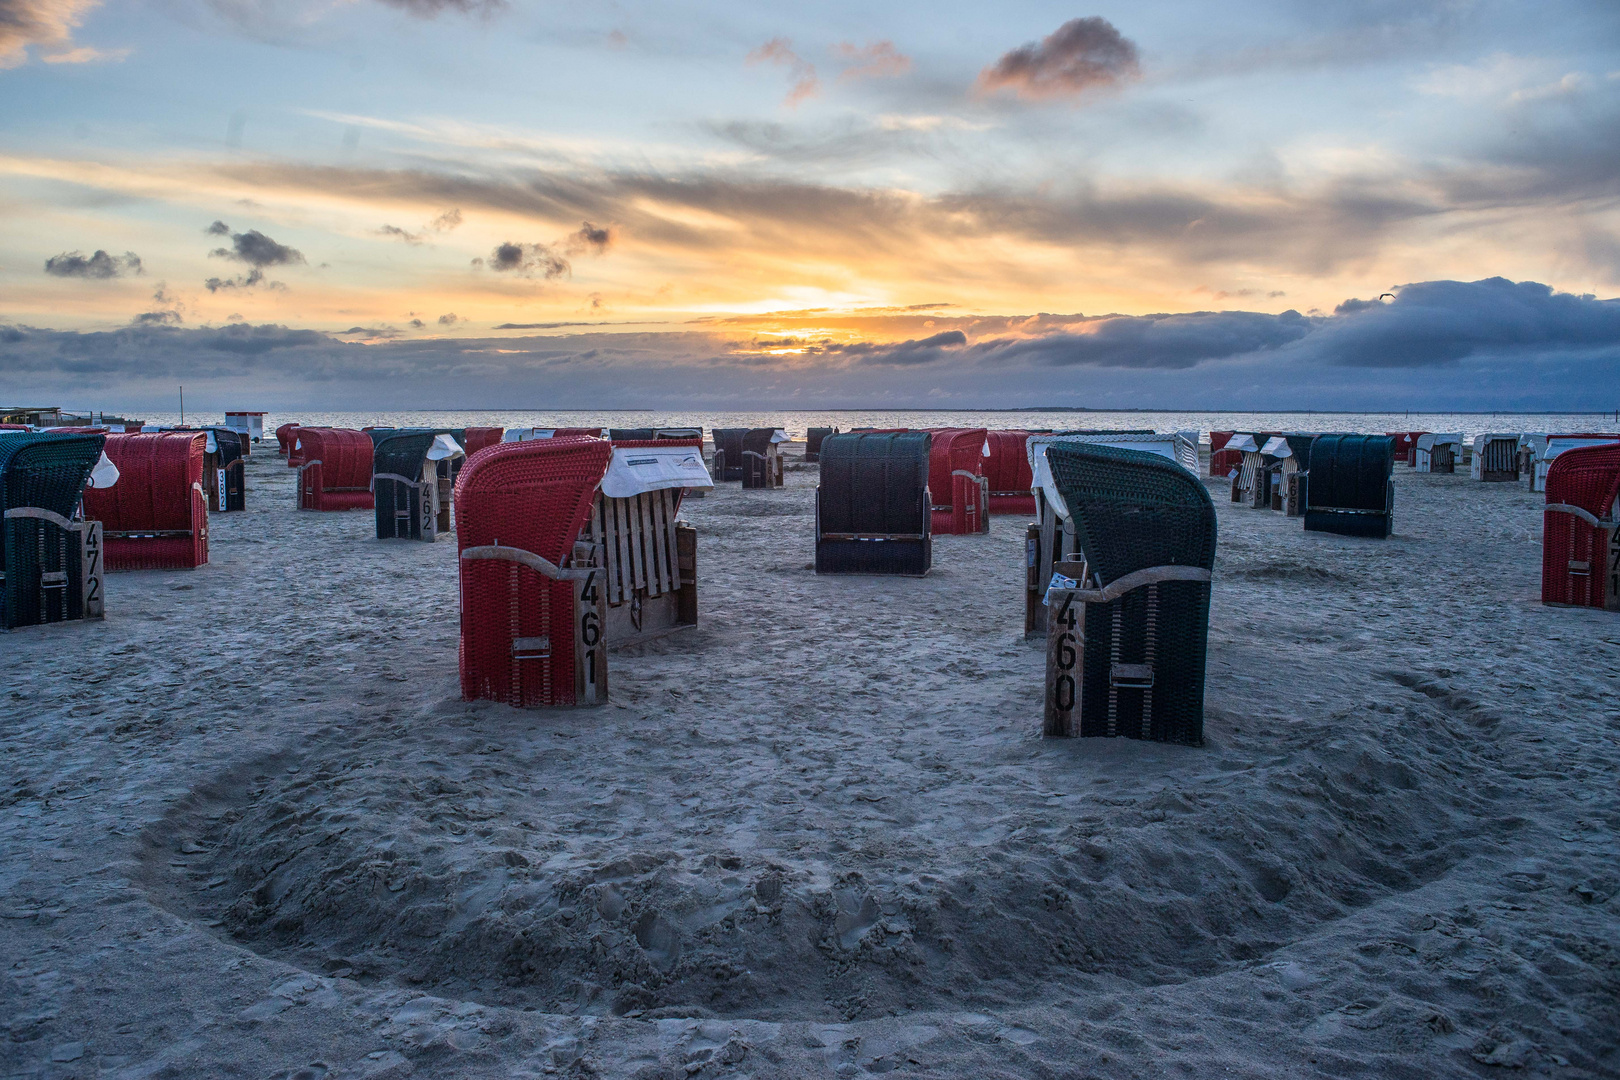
x=503, y=203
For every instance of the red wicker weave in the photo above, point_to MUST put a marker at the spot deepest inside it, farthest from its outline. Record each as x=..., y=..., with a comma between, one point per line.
x=578, y=432
x=286, y=440
x=956, y=499
x=533, y=495
x=335, y=473
x=13, y=427
x=1222, y=462
x=1578, y=561
x=156, y=516
x=476, y=438
x=1007, y=469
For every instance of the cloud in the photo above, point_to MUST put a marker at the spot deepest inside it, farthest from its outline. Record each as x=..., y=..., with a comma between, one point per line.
x=256, y=249
x=446, y=221
x=45, y=24
x=879, y=60
x=529, y=260
x=84, y=54
x=1489, y=344
x=157, y=318
x=1080, y=56
x=394, y=230
x=98, y=266
x=432, y=9
x=589, y=238
x=218, y=228
x=779, y=51
x=251, y=279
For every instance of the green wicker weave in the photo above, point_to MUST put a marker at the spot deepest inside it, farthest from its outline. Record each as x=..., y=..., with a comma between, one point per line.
x=46, y=471
x=1135, y=511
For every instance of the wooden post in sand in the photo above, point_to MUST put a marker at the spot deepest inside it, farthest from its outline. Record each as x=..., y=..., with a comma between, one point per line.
x=1065, y=651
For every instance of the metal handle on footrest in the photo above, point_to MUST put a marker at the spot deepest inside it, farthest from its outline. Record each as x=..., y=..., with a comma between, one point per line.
x=1131, y=676
x=531, y=648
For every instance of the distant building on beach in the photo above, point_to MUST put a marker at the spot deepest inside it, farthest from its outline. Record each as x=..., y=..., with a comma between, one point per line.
x=54, y=416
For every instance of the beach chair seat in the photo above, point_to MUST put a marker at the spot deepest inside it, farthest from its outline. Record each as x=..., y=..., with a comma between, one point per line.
x=334, y=471
x=1128, y=621
x=1580, y=536
x=532, y=630
x=51, y=559
x=812, y=442
x=728, y=454
x=1351, y=490
x=872, y=508
x=156, y=516
x=1006, y=473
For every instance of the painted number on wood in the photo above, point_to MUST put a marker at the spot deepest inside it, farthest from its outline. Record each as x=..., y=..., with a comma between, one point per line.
x=90, y=570
x=1064, y=651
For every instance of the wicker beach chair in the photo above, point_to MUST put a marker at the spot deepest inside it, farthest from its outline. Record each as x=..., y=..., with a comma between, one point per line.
x=872, y=509
x=225, y=470
x=648, y=556
x=1437, y=452
x=812, y=442
x=156, y=516
x=411, y=485
x=728, y=454
x=285, y=438
x=958, y=492
x=1129, y=622
x=1351, y=492
x=1051, y=538
x=335, y=471
x=1553, y=446
x=531, y=595
x=51, y=560
x=1405, y=445
x=1496, y=457
x=1006, y=473
x=1291, y=492
x=1580, y=533
x=1221, y=460
x=761, y=460
x=479, y=437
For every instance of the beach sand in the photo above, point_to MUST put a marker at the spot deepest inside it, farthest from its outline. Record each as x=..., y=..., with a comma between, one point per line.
x=249, y=829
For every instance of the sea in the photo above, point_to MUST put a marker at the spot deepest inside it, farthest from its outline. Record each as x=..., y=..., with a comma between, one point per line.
x=795, y=423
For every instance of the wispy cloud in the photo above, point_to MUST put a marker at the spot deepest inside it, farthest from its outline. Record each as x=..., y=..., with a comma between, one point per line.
x=878, y=60
x=47, y=25
x=779, y=51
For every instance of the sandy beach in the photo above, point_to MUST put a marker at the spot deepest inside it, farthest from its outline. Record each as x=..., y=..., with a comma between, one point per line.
x=249, y=829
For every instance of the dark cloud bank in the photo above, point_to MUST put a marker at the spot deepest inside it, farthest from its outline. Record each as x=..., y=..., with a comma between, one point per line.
x=1491, y=344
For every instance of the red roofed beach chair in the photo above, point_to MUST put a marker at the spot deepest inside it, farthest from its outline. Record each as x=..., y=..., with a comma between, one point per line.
x=1405, y=445
x=958, y=493
x=1580, y=552
x=1540, y=463
x=1221, y=460
x=480, y=437
x=531, y=596
x=1007, y=473
x=286, y=440
x=156, y=516
x=335, y=473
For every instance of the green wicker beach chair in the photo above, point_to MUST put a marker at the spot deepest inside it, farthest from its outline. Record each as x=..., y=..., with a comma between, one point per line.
x=406, y=486
x=1128, y=638
x=50, y=562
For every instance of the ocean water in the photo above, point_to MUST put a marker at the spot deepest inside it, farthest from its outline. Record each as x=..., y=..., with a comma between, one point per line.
x=795, y=423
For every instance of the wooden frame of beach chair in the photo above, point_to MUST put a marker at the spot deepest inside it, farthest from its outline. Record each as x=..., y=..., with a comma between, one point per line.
x=52, y=560
x=156, y=516
x=335, y=473
x=1580, y=535
x=1128, y=623
x=872, y=506
x=1352, y=492
x=1495, y=458
x=1251, y=486
x=532, y=619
